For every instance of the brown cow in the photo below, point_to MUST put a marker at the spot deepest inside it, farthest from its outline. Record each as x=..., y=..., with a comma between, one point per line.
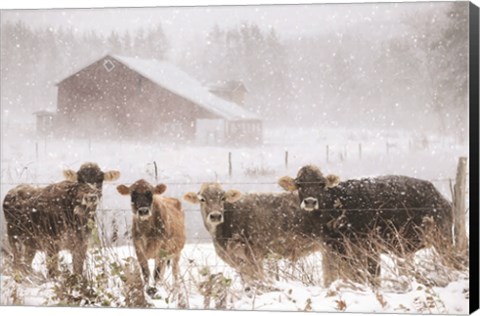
x=158, y=228
x=393, y=213
x=59, y=216
x=21, y=222
x=247, y=229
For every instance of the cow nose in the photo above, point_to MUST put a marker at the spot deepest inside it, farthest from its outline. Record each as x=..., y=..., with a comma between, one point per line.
x=216, y=217
x=90, y=199
x=310, y=204
x=142, y=211
x=93, y=199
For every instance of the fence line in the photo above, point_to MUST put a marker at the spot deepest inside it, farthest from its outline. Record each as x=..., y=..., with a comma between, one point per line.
x=200, y=183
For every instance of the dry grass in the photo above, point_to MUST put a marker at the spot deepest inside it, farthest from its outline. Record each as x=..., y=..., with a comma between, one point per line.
x=112, y=281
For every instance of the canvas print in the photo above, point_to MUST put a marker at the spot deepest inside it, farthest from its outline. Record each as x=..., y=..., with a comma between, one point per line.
x=265, y=157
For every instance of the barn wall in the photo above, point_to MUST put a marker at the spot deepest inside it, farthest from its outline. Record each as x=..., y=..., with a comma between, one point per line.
x=244, y=132
x=97, y=103
x=90, y=103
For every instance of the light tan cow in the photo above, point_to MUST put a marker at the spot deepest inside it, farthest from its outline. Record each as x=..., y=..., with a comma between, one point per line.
x=158, y=229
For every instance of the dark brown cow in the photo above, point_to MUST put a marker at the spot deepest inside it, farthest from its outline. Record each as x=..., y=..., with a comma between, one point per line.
x=246, y=229
x=158, y=228
x=59, y=216
x=24, y=222
x=90, y=172
x=362, y=218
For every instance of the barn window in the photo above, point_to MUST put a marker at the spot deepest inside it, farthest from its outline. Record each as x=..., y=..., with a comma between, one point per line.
x=109, y=65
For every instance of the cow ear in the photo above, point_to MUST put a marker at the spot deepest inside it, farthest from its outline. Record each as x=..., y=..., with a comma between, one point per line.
x=112, y=175
x=159, y=189
x=287, y=183
x=70, y=175
x=191, y=197
x=123, y=189
x=331, y=181
x=232, y=196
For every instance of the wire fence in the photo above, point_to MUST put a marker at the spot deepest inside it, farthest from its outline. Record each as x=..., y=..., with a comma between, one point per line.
x=199, y=182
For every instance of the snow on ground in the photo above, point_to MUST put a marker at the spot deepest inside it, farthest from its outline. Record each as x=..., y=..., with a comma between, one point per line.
x=288, y=294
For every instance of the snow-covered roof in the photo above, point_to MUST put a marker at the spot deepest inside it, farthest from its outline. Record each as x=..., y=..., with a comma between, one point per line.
x=229, y=86
x=177, y=81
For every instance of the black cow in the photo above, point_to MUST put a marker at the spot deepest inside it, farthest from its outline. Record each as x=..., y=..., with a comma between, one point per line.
x=358, y=219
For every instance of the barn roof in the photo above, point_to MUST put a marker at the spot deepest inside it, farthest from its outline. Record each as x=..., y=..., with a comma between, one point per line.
x=174, y=79
x=227, y=86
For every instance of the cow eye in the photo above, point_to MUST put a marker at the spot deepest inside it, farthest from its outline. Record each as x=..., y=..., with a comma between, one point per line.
x=149, y=194
x=202, y=199
x=224, y=199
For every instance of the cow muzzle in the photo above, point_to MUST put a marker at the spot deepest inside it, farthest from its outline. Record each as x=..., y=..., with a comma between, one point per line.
x=143, y=211
x=90, y=200
x=309, y=204
x=215, y=218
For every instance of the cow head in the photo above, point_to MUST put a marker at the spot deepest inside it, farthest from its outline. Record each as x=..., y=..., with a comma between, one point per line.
x=212, y=200
x=87, y=197
x=310, y=184
x=141, y=194
x=91, y=173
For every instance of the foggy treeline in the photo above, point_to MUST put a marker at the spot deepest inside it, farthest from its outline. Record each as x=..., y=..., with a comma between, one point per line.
x=411, y=72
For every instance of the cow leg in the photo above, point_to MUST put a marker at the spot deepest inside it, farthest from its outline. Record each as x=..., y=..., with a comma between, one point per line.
x=143, y=262
x=176, y=268
x=159, y=271
x=16, y=251
x=406, y=270
x=248, y=277
x=329, y=268
x=221, y=302
x=52, y=261
x=79, y=254
x=206, y=300
x=374, y=266
x=404, y=265
x=29, y=255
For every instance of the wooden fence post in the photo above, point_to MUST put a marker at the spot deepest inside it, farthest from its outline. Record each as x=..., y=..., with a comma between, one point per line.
x=360, y=151
x=229, y=163
x=328, y=153
x=36, y=150
x=156, y=171
x=459, y=190
x=286, y=159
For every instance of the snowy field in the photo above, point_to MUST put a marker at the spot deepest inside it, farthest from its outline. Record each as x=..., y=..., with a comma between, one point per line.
x=351, y=154
x=292, y=292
